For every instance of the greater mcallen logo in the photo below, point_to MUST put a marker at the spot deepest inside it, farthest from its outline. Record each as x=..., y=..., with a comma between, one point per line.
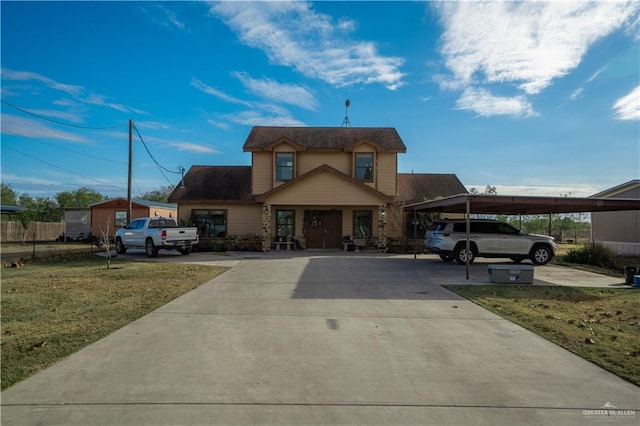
x=609, y=413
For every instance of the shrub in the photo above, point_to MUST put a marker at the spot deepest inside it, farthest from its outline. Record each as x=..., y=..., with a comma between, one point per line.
x=593, y=254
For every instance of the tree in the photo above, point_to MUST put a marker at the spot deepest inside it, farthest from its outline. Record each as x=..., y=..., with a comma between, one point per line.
x=161, y=195
x=8, y=197
x=488, y=190
x=80, y=198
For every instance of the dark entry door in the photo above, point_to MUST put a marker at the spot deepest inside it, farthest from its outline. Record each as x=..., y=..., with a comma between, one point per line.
x=323, y=228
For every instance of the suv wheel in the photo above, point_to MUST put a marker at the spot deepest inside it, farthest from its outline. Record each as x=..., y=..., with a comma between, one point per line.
x=461, y=255
x=540, y=255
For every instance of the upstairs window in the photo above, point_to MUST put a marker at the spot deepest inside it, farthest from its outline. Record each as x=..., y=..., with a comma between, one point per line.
x=284, y=165
x=364, y=167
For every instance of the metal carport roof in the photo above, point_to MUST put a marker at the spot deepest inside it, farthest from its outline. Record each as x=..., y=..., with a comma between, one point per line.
x=525, y=205
x=520, y=205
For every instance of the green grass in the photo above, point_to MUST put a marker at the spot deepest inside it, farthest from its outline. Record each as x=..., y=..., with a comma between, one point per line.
x=599, y=324
x=53, y=308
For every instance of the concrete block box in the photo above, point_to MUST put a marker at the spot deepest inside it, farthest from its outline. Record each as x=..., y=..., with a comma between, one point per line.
x=511, y=274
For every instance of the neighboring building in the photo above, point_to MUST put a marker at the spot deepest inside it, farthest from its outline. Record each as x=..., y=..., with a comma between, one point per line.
x=312, y=186
x=618, y=230
x=112, y=214
x=77, y=225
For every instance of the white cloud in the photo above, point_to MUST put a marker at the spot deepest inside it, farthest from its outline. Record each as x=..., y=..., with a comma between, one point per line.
x=183, y=146
x=155, y=125
x=484, y=103
x=628, y=107
x=560, y=190
x=293, y=34
x=205, y=88
x=192, y=147
x=78, y=92
x=526, y=44
x=218, y=124
x=30, y=128
x=257, y=118
x=258, y=114
x=280, y=92
x=578, y=92
x=56, y=114
x=8, y=74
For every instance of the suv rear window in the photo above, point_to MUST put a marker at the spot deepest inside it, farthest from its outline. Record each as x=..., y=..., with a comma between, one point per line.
x=437, y=226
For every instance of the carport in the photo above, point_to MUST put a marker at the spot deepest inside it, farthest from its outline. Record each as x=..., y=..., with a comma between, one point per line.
x=518, y=205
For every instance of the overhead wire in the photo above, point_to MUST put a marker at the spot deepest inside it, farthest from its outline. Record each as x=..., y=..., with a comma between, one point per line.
x=42, y=117
x=160, y=167
x=64, y=149
x=61, y=168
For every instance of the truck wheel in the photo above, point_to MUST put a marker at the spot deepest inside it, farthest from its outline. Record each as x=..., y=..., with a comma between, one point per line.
x=150, y=248
x=185, y=251
x=120, y=248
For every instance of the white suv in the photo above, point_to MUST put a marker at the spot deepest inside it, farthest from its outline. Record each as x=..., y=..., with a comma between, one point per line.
x=488, y=238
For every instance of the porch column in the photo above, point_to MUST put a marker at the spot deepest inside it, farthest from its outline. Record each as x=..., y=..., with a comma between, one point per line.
x=266, y=227
x=382, y=228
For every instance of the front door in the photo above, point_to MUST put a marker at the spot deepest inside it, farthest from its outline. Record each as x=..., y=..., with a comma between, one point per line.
x=323, y=228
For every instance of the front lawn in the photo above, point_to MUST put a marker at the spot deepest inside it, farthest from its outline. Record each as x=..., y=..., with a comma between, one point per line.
x=53, y=308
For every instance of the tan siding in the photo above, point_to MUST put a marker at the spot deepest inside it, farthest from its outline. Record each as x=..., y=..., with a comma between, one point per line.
x=386, y=174
x=310, y=160
x=241, y=219
x=324, y=189
x=244, y=219
x=262, y=172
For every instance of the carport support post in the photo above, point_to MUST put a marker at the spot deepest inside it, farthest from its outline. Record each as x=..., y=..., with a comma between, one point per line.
x=415, y=234
x=468, y=233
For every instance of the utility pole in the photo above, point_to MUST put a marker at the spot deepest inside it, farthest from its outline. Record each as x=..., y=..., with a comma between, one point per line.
x=129, y=205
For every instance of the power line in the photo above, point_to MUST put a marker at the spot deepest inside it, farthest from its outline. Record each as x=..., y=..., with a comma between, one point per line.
x=160, y=167
x=61, y=168
x=65, y=149
x=60, y=122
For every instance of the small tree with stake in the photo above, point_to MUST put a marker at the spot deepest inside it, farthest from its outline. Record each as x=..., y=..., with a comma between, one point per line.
x=105, y=242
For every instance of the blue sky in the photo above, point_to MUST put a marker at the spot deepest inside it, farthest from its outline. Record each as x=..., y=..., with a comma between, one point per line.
x=532, y=98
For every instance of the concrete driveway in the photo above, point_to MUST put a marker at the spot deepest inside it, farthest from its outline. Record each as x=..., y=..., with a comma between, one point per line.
x=318, y=338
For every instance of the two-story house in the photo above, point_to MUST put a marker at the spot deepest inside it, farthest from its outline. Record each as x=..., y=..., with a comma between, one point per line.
x=313, y=185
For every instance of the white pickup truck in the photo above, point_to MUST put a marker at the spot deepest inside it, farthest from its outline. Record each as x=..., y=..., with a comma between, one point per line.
x=154, y=233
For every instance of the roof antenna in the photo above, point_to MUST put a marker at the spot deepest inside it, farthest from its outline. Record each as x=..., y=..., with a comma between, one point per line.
x=346, y=122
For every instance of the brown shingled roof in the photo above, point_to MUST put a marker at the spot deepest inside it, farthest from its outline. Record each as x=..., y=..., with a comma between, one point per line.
x=263, y=138
x=215, y=184
x=418, y=187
